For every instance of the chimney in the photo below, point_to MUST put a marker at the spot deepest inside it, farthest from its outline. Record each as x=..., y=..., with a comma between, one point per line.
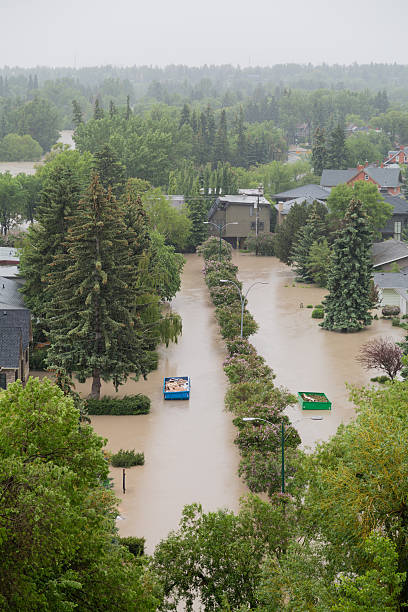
x=280, y=207
x=382, y=165
x=360, y=166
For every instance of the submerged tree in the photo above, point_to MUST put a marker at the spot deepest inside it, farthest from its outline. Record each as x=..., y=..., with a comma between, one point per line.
x=93, y=316
x=308, y=234
x=319, y=152
x=348, y=303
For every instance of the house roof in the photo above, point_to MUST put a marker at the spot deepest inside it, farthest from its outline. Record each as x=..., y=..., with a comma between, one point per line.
x=240, y=200
x=391, y=280
x=305, y=191
x=9, y=254
x=387, y=252
x=385, y=177
x=9, y=293
x=331, y=178
x=399, y=205
x=284, y=207
x=16, y=318
x=10, y=342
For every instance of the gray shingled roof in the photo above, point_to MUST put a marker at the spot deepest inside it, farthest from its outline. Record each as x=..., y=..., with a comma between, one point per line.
x=391, y=280
x=9, y=254
x=16, y=318
x=331, y=178
x=305, y=191
x=286, y=206
x=399, y=205
x=239, y=199
x=9, y=293
x=387, y=252
x=385, y=177
x=10, y=340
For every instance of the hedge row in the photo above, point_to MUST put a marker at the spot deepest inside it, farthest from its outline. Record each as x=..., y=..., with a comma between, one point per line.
x=130, y=404
x=252, y=392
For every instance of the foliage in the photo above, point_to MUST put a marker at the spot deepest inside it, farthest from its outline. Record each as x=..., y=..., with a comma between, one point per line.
x=173, y=224
x=319, y=261
x=319, y=152
x=371, y=147
x=336, y=152
x=58, y=538
x=224, y=295
x=211, y=247
x=229, y=320
x=389, y=310
x=312, y=231
x=381, y=354
x=240, y=346
x=263, y=244
x=165, y=267
x=38, y=359
x=134, y=545
x=378, y=211
x=129, y=404
x=93, y=313
x=246, y=368
x=318, y=313
x=287, y=233
x=12, y=199
x=14, y=147
x=218, y=556
x=127, y=458
x=347, y=307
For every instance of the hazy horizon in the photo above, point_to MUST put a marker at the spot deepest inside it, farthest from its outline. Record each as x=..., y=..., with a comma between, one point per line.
x=83, y=34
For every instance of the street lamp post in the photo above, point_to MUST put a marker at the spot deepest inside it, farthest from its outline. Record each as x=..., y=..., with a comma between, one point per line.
x=242, y=297
x=252, y=419
x=220, y=228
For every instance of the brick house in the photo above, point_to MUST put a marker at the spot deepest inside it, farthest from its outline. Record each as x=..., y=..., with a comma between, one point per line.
x=387, y=179
x=247, y=214
x=399, y=156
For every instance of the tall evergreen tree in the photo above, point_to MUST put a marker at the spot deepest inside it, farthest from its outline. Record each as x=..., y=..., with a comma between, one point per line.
x=319, y=152
x=112, y=109
x=77, y=116
x=98, y=110
x=405, y=183
x=336, y=149
x=287, y=232
x=221, y=149
x=128, y=109
x=347, y=307
x=111, y=172
x=241, y=156
x=93, y=314
x=185, y=115
x=308, y=234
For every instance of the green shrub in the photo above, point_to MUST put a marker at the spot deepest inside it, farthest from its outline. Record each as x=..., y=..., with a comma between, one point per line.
x=318, y=313
x=395, y=322
x=127, y=458
x=309, y=306
x=241, y=346
x=229, y=320
x=375, y=317
x=37, y=359
x=224, y=295
x=404, y=316
x=247, y=368
x=380, y=379
x=389, y=311
x=130, y=404
x=210, y=249
x=134, y=545
x=263, y=244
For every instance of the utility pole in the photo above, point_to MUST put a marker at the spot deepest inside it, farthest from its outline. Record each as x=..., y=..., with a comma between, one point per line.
x=260, y=193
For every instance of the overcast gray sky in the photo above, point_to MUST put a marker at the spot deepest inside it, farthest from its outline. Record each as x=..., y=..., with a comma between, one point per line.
x=160, y=32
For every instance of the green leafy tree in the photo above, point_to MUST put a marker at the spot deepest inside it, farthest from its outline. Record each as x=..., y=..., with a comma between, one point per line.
x=77, y=116
x=93, y=313
x=165, y=267
x=39, y=119
x=336, y=148
x=313, y=230
x=377, y=210
x=12, y=200
x=19, y=148
x=31, y=185
x=173, y=224
x=347, y=307
x=319, y=153
x=58, y=540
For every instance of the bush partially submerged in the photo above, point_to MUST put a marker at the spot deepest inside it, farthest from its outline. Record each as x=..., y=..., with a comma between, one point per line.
x=130, y=404
x=263, y=244
x=210, y=249
x=127, y=458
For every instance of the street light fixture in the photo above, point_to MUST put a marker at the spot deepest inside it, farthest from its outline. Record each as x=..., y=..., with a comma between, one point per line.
x=220, y=228
x=242, y=297
x=313, y=418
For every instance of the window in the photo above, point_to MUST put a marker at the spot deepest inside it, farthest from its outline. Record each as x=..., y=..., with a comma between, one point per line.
x=3, y=381
x=366, y=177
x=397, y=230
x=261, y=226
x=251, y=211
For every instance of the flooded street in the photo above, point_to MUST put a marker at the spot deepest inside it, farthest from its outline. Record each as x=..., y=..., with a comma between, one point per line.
x=303, y=356
x=188, y=445
x=30, y=167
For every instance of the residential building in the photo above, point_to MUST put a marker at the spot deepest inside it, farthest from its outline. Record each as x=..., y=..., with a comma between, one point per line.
x=387, y=179
x=9, y=262
x=398, y=156
x=176, y=201
x=283, y=208
x=384, y=255
x=15, y=337
x=241, y=215
x=399, y=220
x=393, y=289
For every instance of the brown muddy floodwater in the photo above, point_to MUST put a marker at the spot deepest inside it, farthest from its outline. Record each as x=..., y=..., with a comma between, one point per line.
x=188, y=445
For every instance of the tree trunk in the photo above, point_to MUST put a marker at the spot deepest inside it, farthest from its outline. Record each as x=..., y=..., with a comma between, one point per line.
x=96, y=385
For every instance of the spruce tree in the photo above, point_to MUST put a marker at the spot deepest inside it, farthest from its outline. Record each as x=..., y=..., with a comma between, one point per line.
x=111, y=172
x=347, y=307
x=112, y=109
x=241, y=156
x=336, y=149
x=128, y=109
x=307, y=235
x=185, y=115
x=93, y=317
x=77, y=117
x=319, y=152
x=221, y=151
x=286, y=233
x=98, y=110
x=405, y=183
